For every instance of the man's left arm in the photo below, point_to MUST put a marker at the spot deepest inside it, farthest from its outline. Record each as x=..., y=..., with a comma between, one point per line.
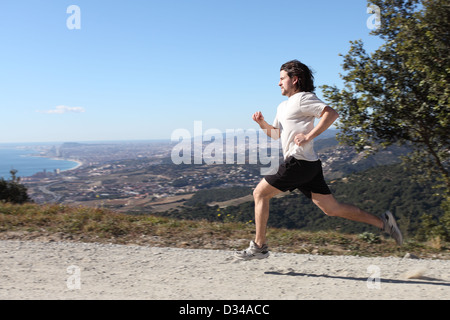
x=328, y=116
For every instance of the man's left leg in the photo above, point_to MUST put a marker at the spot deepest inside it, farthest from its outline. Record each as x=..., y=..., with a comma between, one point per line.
x=331, y=207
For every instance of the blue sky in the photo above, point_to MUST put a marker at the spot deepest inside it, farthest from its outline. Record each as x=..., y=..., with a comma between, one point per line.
x=140, y=69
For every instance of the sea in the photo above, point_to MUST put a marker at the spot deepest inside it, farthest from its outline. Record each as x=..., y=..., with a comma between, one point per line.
x=26, y=164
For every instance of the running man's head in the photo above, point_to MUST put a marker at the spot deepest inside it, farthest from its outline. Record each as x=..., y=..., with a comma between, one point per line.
x=295, y=77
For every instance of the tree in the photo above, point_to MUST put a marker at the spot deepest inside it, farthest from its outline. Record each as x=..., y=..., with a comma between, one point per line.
x=12, y=190
x=400, y=93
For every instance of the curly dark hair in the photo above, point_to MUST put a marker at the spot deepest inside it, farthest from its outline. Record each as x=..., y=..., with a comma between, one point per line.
x=304, y=74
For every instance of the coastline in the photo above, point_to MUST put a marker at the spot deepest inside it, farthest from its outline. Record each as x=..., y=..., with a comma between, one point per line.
x=78, y=162
x=29, y=162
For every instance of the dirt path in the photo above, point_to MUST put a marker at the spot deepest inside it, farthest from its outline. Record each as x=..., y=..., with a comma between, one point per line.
x=69, y=270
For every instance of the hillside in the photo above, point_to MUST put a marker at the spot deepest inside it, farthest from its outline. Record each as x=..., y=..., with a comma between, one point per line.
x=375, y=190
x=212, y=206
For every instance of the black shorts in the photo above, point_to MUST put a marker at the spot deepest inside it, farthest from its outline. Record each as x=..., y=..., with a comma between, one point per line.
x=307, y=176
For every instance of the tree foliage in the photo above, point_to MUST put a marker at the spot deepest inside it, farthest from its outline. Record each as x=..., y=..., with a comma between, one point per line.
x=12, y=190
x=400, y=93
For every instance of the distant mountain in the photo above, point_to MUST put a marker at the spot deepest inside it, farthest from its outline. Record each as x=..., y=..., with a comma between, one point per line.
x=341, y=160
x=329, y=133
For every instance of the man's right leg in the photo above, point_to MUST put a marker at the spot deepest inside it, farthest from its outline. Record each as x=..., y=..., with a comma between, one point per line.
x=258, y=248
x=262, y=195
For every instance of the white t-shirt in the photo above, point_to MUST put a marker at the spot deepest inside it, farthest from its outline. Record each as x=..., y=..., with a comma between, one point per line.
x=296, y=115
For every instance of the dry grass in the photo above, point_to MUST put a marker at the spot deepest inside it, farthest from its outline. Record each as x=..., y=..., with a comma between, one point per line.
x=55, y=222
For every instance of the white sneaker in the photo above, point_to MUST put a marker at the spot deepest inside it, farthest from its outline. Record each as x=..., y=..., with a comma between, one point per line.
x=253, y=252
x=390, y=226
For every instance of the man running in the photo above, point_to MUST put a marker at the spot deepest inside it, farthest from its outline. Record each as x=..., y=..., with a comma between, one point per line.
x=302, y=169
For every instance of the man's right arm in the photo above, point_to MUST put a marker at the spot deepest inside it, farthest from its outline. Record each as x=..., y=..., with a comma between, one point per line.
x=270, y=130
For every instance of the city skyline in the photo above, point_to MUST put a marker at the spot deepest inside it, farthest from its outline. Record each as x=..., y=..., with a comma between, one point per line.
x=111, y=71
